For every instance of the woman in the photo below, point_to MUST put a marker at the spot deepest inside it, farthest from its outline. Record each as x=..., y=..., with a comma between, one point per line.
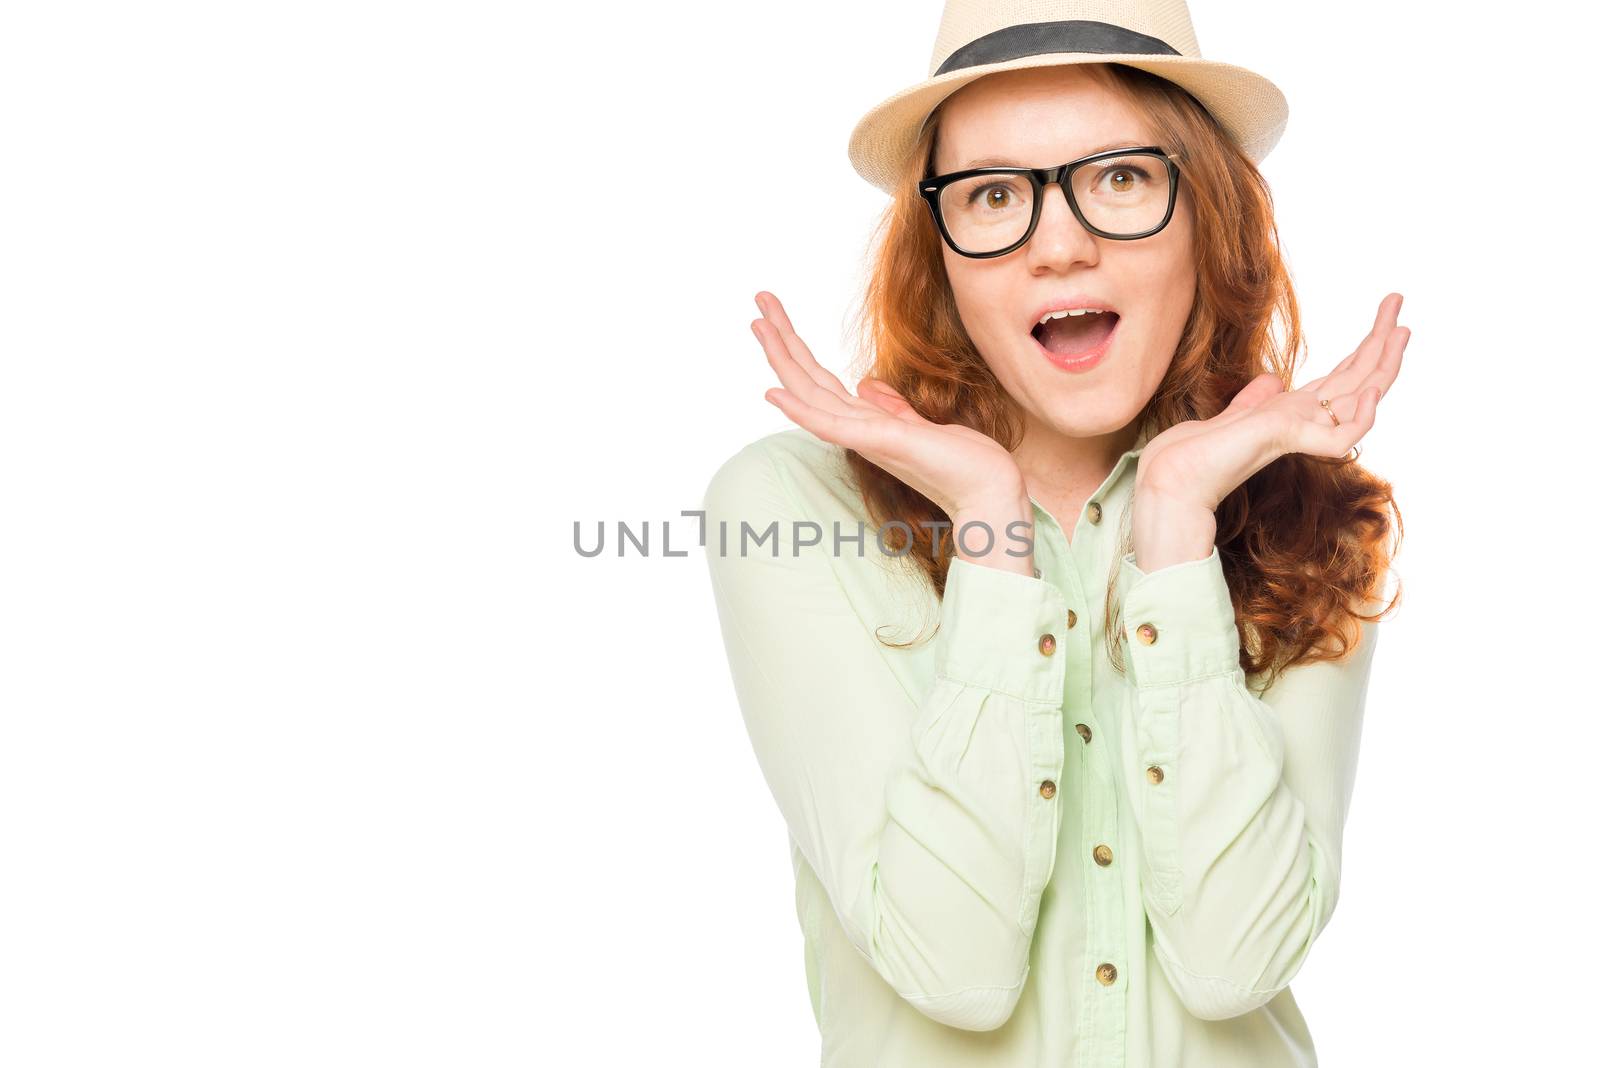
x=1052, y=640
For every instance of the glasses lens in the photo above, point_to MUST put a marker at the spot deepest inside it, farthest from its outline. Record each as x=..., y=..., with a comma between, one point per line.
x=987, y=212
x=1123, y=194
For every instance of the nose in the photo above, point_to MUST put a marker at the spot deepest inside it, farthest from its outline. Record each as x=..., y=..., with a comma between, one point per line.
x=1060, y=241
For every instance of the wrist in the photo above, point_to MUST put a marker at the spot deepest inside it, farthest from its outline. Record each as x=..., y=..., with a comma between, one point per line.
x=997, y=533
x=1169, y=530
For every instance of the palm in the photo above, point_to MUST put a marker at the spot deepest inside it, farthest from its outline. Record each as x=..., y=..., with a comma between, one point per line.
x=953, y=466
x=1206, y=459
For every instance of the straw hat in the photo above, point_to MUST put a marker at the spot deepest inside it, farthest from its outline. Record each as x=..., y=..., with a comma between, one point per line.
x=978, y=37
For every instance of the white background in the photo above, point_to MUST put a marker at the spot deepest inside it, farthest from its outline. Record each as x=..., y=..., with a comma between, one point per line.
x=323, y=323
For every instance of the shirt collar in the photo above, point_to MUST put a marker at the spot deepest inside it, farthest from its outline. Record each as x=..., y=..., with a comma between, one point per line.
x=1128, y=460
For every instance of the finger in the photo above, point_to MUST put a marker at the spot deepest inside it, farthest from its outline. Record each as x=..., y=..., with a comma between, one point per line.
x=1366, y=415
x=1382, y=326
x=794, y=377
x=1390, y=304
x=1341, y=379
x=1361, y=361
x=867, y=436
x=781, y=349
x=772, y=309
x=1323, y=438
x=823, y=424
x=1383, y=376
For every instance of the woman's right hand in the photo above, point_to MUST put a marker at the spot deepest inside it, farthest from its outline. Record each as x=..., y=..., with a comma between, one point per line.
x=966, y=473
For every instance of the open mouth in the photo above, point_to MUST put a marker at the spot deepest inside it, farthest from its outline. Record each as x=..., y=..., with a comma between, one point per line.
x=1076, y=335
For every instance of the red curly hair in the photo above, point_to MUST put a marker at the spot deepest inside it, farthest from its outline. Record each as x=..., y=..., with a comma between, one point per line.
x=1305, y=542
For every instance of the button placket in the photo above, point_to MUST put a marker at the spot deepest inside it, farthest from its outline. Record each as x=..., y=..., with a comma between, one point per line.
x=1103, y=906
x=1103, y=900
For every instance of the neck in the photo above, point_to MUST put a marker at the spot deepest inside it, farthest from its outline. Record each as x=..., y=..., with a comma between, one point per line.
x=1061, y=471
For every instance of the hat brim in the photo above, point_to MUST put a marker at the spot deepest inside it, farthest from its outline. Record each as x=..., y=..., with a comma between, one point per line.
x=1248, y=106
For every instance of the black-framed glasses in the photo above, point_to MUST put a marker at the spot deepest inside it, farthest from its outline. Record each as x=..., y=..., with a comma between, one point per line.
x=1123, y=194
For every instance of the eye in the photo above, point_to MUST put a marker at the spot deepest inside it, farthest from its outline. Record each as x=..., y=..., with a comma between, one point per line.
x=994, y=196
x=1126, y=178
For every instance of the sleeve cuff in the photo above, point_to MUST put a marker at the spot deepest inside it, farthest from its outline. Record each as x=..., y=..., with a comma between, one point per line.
x=1179, y=621
x=993, y=629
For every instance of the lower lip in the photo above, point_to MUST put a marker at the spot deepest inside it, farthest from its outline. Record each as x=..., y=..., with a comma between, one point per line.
x=1080, y=362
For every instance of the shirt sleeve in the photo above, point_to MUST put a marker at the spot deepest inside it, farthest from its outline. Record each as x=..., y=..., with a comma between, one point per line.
x=1241, y=800
x=930, y=817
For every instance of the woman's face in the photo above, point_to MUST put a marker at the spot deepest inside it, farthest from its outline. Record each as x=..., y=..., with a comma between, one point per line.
x=1041, y=118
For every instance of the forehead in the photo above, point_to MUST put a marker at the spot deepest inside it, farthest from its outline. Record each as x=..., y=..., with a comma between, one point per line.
x=1037, y=117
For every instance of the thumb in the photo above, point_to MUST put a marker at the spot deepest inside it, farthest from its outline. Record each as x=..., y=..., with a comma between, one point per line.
x=882, y=395
x=1260, y=388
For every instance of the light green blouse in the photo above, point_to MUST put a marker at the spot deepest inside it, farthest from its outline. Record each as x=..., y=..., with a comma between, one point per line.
x=1007, y=852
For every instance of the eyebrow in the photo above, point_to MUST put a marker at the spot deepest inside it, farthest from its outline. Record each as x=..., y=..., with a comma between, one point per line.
x=1002, y=161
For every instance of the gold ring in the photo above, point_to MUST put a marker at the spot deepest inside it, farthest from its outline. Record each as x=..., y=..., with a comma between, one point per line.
x=1328, y=407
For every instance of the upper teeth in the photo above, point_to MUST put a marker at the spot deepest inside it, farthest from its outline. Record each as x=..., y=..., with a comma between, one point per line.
x=1075, y=311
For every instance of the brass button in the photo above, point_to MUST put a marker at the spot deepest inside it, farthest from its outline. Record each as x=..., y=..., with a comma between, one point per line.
x=1083, y=729
x=1047, y=789
x=1102, y=855
x=1106, y=973
x=1154, y=773
x=1147, y=633
x=1072, y=619
x=1094, y=511
x=1047, y=644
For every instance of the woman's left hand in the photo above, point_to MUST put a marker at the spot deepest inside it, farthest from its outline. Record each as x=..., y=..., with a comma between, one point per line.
x=1199, y=462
